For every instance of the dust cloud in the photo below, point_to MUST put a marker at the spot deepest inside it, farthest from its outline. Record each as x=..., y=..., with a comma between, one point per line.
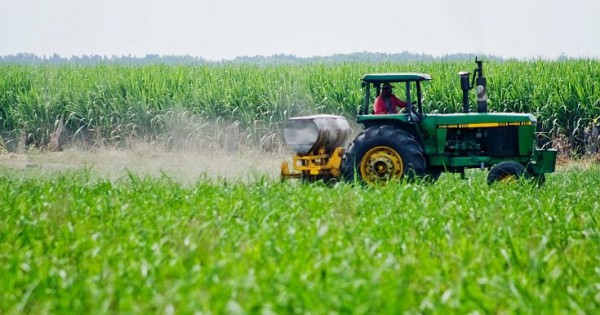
x=155, y=161
x=192, y=148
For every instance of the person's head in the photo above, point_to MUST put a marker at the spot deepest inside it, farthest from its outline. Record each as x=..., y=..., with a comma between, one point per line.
x=386, y=89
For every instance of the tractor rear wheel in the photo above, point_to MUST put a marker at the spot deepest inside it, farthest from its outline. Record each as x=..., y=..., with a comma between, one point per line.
x=381, y=154
x=507, y=172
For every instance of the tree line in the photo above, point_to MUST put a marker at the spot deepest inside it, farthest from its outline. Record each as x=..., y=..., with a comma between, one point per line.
x=367, y=57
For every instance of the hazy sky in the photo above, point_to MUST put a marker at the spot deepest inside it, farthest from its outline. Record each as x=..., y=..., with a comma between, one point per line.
x=224, y=29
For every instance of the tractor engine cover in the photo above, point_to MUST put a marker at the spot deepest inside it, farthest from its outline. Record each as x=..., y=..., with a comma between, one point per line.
x=307, y=134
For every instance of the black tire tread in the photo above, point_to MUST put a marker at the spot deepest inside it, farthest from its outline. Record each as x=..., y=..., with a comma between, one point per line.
x=401, y=141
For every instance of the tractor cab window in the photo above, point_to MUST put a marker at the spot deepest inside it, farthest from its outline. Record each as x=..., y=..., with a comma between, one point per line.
x=397, y=97
x=386, y=101
x=406, y=87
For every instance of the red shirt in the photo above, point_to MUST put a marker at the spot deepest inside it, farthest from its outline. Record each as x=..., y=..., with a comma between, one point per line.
x=394, y=103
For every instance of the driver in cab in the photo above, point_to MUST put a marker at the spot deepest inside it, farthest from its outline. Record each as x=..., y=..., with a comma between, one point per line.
x=387, y=102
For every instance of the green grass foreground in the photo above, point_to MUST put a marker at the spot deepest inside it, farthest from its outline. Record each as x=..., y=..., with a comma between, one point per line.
x=73, y=243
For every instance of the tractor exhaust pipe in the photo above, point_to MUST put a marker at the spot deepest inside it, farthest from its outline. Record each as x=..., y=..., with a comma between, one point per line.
x=481, y=81
x=464, y=85
x=482, y=97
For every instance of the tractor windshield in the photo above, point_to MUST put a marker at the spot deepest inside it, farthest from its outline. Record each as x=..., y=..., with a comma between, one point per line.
x=406, y=92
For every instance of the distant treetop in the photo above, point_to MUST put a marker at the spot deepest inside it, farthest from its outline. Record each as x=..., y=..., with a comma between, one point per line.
x=368, y=57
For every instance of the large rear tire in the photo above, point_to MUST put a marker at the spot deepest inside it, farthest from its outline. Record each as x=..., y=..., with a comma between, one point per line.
x=381, y=154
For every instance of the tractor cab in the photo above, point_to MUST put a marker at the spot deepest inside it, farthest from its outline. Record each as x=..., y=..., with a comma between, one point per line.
x=407, y=86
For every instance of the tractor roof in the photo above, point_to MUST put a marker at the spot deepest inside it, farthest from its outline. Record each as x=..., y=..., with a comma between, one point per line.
x=395, y=77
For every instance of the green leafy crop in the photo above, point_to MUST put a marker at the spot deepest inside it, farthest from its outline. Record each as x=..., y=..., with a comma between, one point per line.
x=73, y=243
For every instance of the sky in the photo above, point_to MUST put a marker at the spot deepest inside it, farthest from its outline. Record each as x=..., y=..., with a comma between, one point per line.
x=225, y=29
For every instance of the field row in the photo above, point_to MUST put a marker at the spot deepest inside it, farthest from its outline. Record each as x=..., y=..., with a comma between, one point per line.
x=113, y=103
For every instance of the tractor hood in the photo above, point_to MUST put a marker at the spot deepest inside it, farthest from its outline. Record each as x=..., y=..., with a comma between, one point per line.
x=457, y=120
x=483, y=120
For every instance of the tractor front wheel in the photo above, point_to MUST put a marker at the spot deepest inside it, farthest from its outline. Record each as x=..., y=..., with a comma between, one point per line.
x=381, y=154
x=506, y=172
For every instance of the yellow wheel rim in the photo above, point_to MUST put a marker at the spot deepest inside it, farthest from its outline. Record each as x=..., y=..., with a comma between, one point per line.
x=381, y=164
x=509, y=178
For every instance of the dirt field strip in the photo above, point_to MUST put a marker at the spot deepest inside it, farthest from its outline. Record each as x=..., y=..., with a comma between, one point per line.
x=181, y=166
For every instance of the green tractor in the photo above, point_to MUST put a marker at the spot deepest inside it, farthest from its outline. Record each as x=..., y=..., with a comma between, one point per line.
x=412, y=144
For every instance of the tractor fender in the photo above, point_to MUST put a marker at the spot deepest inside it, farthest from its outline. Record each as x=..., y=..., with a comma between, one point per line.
x=408, y=127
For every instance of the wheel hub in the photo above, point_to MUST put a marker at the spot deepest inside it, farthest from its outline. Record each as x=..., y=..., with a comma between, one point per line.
x=382, y=167
x=381, y=164
x=509, y=179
